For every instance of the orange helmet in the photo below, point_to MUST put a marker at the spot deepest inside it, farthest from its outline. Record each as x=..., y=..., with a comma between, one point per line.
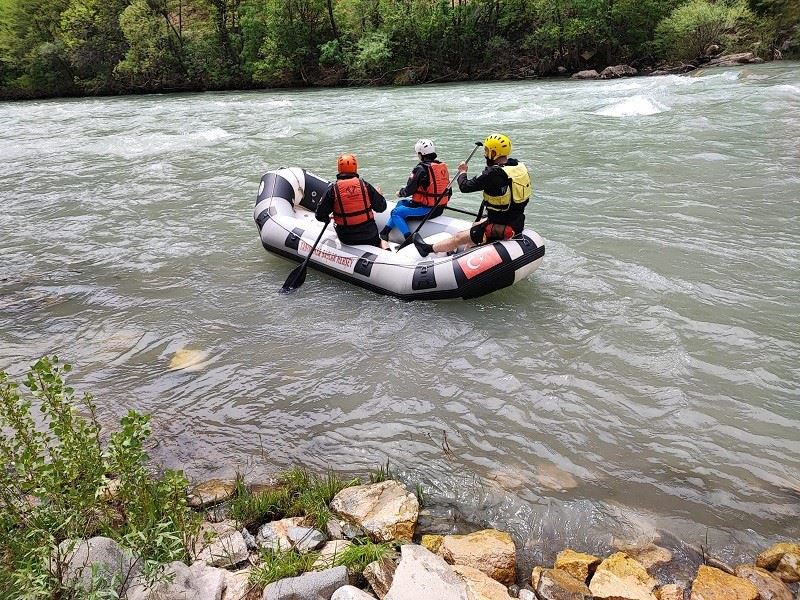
x=347, y=163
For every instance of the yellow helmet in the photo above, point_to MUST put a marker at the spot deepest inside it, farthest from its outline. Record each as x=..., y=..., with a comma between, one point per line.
x=496, y=145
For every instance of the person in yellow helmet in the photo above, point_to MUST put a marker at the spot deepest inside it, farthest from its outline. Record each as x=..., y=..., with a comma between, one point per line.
x=506, y=187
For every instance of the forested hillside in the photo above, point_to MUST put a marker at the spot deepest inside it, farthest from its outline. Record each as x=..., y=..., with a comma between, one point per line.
x=79, y=47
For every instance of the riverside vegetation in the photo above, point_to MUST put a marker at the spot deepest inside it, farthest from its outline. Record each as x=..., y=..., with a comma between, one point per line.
x=88, y=47
x=83, y=515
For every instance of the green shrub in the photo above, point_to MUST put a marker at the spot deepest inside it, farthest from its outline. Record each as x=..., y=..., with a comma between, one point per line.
x=691, y=28
x=53, y=479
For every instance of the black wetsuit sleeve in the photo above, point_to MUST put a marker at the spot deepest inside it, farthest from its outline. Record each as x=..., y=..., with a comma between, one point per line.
x=325, y=206
x=476, y=184
x=417, y=179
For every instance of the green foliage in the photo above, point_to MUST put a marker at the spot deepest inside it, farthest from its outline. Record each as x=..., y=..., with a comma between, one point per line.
x=56, y=47
x=298, y=493
x=382, y=473
x=252, y=509
x=360, y=553
x=281, y=564
x=53, y=480
x=691, y=28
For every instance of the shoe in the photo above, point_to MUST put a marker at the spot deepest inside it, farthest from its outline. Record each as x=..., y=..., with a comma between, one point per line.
x=423, y=248
x=384, y=234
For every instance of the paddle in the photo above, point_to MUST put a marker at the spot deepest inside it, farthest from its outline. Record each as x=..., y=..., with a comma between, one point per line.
x=458, y=210
x=410, y=238
x=298, y=274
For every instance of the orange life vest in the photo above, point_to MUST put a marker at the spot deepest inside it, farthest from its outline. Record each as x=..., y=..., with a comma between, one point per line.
x=351, y=204
x=438, y=178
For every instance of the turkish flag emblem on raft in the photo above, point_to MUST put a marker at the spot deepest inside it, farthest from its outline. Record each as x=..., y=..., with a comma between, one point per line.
x=478, y=261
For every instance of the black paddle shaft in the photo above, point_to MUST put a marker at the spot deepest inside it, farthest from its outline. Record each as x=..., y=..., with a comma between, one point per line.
x=298, y=275
x=410, y=238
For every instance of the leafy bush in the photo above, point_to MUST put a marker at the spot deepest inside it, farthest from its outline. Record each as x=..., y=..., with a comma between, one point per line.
x=54, y=484
x=691, y=28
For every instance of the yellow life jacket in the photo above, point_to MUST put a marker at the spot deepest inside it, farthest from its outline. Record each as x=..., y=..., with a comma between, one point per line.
x=517, y=192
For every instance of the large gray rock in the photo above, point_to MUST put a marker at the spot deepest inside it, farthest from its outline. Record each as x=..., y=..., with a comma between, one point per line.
x=237, y=585
x=422, y=574
x=305, y=539
x=114, y=566
x=179, y=582
x=618, y=71
x=733, y=60
x=385, y=510
x=587, y=74
x=350, y=592
x=309, y=586
x=226, y=546
x=275, y=534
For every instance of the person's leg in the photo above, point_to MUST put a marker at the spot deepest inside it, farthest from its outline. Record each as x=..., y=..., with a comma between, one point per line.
x=404, y=211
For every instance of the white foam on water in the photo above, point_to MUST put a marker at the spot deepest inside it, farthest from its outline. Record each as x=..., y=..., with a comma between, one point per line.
x=634, y=106
x=216, y=133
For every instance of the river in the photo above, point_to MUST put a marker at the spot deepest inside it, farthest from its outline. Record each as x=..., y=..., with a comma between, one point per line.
x=644, y=378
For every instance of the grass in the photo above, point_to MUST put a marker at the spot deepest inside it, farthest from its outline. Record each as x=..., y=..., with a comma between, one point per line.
x=298, y=493
x=279, y=565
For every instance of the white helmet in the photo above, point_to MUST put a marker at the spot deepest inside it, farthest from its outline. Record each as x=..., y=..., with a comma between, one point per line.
x=425, y=147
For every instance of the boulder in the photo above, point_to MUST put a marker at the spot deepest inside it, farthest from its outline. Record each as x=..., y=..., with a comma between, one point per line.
x=237, y=585
x=275, y=534
x=769, y=586
x=350, y=592
x=556, y=584
x=733, y=60
x=197, y=582
x=784, y=559
x=314, y=585
x=648, y=555
x=769, y=559
x=329, y=553
x=432, y=542
x=210, y=492
x=479, y=585
x=488, y=550
x=422, y=574
x=622, y=578
x=587, y=74
x=618, y=71
x=581, y=566
x=305, y=539
x=385, y=510
x=526, y=595
x=788, y=568
x=113, y=564
x=380, y=575
x=714, y=584
x=672, y=591
x=220, y=544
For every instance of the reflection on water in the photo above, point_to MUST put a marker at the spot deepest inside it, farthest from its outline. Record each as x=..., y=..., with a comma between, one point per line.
x=643, y=380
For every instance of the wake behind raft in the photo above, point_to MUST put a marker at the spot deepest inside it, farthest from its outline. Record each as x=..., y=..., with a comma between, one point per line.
x=284, y=214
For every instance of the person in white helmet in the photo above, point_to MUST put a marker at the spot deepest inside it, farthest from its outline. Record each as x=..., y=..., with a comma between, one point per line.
x=426, y=188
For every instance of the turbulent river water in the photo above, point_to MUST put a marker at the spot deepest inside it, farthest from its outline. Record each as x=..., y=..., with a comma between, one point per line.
x=644, y=378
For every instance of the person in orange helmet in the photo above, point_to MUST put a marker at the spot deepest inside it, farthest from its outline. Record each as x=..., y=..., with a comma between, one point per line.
x=352, y=202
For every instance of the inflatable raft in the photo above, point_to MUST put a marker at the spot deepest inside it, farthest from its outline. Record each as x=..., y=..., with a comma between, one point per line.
x=284, y=214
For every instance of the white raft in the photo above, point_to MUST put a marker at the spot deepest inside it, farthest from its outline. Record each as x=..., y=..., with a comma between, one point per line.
x=284, y=214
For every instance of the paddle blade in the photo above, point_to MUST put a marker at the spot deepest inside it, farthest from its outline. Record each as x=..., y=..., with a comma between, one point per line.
x=296, y=278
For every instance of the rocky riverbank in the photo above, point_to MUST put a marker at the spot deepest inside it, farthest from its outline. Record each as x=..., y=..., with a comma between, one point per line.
x=710, y=61
x=233, y=560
